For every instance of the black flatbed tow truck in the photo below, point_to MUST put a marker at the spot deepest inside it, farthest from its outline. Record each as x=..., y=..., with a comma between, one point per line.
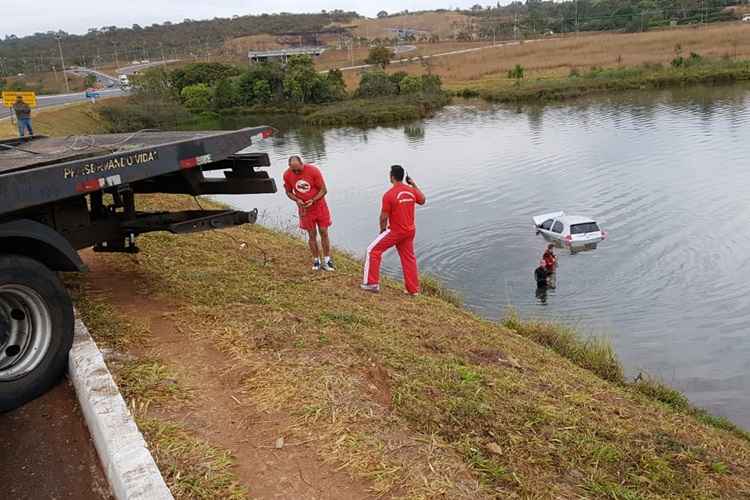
x=61, y=195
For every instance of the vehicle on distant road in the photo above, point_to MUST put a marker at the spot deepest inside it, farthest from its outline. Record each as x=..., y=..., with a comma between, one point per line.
x=145, y=61
x=746, y=19
x=574, y=232
x=92, y=93
x=124, y=82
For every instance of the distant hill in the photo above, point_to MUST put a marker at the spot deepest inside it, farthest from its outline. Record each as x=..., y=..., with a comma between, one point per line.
x=108, y=45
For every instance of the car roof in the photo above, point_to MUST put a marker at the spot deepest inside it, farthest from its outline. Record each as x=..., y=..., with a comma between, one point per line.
x=569, y=220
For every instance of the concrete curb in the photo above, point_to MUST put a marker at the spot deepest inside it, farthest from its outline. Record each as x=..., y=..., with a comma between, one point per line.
x=127, y=462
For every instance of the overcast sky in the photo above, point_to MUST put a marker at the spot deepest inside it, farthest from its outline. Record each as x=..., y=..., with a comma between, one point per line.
x=22, y=17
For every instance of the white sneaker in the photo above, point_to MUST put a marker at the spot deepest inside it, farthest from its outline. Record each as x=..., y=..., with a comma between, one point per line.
x=316, y=265
x=328, y=265
x=370, y=288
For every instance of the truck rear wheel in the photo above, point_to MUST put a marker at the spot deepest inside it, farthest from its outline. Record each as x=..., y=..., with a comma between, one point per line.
x=36, y=330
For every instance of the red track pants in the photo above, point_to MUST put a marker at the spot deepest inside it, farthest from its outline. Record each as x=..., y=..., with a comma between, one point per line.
x=404, y=243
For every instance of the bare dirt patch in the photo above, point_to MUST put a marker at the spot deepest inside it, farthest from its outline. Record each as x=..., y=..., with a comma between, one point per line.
x=273, y=458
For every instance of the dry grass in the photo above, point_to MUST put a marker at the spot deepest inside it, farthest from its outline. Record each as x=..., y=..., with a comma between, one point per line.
x=418, y=397
x=443, y=24
x=70, y=119
x=49, y=82
x=556, y=57
x=192, y=468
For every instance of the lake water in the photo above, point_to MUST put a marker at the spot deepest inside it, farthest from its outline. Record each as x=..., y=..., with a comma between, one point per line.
x=665, y=173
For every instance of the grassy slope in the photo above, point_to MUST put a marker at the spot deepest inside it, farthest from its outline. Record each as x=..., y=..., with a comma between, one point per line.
x=611, y=80
x=64, y=120
x=480, y=411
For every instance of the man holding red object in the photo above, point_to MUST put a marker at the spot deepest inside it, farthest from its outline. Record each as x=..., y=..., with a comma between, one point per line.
x=305, y=186
x=397, y=229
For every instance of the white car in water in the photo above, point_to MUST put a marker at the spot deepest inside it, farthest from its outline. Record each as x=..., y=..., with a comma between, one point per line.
x=571, y=231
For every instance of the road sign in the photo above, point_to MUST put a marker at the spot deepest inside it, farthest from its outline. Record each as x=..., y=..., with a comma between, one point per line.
x=9, y=98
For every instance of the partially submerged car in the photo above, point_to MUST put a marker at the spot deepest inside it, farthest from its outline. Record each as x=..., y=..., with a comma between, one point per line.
x=571, y=231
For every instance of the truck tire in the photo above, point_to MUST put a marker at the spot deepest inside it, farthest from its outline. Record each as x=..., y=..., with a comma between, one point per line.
x=36, y=330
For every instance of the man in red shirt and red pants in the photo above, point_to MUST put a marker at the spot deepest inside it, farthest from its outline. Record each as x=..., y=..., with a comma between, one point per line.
x=305, y=186
x=397, y=229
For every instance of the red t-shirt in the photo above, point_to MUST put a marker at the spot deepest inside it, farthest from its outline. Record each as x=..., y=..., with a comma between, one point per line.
x=306, y=184
x=399, y=203
x=549, y=260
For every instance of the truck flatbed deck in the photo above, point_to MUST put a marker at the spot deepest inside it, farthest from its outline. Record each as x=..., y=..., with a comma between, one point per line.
x=16, y=154
x=47, y=169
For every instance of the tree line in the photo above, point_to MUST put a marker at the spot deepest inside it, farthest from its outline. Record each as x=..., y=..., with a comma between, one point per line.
x=111, y=44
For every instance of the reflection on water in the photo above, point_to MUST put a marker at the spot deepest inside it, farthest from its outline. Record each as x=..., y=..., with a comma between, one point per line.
x=665, y=173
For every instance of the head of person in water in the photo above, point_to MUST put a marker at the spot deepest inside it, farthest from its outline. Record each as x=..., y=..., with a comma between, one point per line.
x=551, y=247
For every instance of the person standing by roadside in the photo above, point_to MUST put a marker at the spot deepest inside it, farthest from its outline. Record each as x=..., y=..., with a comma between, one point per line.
x=305, y=186
x=397, y=228
x=23, y=116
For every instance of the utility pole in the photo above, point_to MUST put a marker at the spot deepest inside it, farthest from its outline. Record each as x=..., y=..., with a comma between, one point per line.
x=62, y=63
x=117, y=62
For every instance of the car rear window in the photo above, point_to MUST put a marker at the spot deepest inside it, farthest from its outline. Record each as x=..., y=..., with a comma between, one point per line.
x=586, y=227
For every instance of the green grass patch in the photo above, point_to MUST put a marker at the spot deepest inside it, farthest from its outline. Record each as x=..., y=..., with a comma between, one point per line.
x=599, y=80
x=370, y=112
x=659, y=391
x=149, y=380
x=595, y=354
x=433, y=287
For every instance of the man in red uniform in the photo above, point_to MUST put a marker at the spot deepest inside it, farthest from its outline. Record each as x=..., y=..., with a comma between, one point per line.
x=396, y=229
x=305, y=186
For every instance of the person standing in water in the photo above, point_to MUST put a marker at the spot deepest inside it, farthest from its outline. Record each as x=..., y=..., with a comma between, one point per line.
x=305, y=186
x=549, y=259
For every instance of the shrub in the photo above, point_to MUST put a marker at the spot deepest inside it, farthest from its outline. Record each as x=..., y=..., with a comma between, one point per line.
x=574, y=73
x=138, y=114
x=90, y=80
x=336, y=84
x=376, y=84
x=261, y=84
x=303, y=84
x=196, y=97
x=380, y=56
x=410, y=85
x=398, y=76
x=206, y=73
x=516, y=72
x=431, y=84
x=225, y=94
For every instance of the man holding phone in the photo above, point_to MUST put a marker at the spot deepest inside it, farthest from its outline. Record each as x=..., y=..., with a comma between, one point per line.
x=397, y=228
x=305, y=186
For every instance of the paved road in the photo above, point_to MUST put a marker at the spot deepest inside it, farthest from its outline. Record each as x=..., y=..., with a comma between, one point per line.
x=46, y=451
x=44, y=101
x=58, y=99
x=444, y=54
